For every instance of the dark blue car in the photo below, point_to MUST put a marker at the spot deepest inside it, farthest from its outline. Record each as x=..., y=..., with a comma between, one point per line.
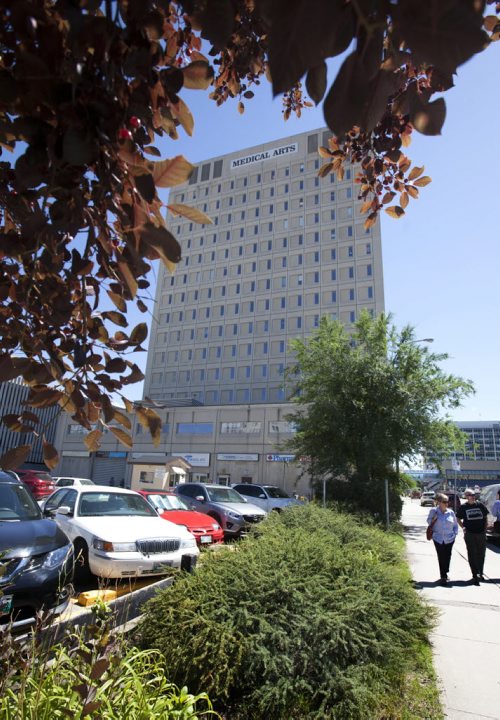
x=36, y=557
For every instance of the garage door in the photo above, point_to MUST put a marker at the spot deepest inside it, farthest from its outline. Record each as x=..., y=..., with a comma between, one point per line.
x=109, y=471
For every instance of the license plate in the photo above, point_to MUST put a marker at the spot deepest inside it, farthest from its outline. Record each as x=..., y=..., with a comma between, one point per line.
x=159, y=567
x=206, y=539
x=5, y=604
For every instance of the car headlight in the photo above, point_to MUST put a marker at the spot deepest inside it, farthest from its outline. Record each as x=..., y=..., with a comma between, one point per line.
x=107, y=546
x=57, y=557
x=215, y=526
x=234, y=515
x=188, y=542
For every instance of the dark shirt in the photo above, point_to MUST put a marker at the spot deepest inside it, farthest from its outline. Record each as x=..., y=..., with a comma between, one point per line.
x=473, y=516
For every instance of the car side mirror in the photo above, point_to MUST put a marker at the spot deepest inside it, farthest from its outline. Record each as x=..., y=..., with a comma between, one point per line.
x=262, y=496
x=200, y=498
x=64, y=510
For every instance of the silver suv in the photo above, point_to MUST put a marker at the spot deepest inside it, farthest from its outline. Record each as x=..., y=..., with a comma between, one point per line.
x=267, y=497
x=231, y=510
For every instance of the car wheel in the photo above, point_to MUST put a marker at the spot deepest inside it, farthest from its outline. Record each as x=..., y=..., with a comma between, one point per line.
x=82, y=568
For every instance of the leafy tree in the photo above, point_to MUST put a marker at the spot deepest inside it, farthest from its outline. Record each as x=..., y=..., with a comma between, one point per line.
x=85, y=88
x=366, y=401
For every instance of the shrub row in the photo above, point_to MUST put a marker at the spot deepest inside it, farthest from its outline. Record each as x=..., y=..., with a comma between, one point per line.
x=314, y=617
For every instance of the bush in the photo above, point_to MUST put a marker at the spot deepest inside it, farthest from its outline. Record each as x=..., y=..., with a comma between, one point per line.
x=313, y=618
x=90, y=674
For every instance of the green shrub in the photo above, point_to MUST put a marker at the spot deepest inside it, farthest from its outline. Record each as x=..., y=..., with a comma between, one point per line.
x=313, y=618
x=90, y=674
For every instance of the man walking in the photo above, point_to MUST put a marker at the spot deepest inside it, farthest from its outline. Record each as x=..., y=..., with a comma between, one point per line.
x=472, y=517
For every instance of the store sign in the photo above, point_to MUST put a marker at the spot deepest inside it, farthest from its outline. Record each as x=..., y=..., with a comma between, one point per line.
x=155, y=457
x=265, y=155
x=237, y=456
x=280, y=458
x=194, y=459
x=75, y=453
x=245, y=428
x=282, y=426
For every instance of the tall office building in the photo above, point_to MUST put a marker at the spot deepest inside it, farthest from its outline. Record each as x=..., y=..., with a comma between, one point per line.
x=285, y=248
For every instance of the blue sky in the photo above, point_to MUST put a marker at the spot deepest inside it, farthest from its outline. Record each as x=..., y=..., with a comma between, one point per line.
x=442, y=260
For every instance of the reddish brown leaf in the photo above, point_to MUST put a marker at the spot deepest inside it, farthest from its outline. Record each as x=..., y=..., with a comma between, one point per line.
x=122, y=436
x=50, y=455
x=122, y=419
x=116, y=318
x=138, y=335
x=198, y=75
x=43, y=398
x=395, y=211
x=190, y=213
x=416, y=172
x=14, y=457
x=169, y=173
x=93, y=440
x=423, y=181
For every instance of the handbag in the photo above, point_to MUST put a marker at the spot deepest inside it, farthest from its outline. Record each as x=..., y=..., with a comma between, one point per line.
x=430, y=529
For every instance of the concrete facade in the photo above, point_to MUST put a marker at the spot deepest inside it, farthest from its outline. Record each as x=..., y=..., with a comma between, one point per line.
x=480, y=463
x=285, y=248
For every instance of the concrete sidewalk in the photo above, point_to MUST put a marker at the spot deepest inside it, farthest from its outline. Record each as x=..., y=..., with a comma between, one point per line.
x=466, y=641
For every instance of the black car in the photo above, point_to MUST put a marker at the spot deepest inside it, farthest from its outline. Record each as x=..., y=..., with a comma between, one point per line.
x=36, y=557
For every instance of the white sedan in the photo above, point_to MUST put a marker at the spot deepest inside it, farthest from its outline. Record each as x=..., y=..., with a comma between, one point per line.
x=117, y=534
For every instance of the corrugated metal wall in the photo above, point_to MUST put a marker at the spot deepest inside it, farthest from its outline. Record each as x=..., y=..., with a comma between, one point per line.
x=12, y=394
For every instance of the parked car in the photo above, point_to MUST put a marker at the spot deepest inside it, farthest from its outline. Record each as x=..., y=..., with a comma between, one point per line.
x=65, y=481
x=488, y=497
x=39, y=482
x=453, y=500
x=267, y=497
x=169, y=506
x=36, y=557
x=117, y=534
x=230, y=509
x=427, y=498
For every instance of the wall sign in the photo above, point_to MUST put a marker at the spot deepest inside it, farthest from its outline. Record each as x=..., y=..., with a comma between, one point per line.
x=280, y=458
x=237, y=456
x=265, y=155
x=195, y=459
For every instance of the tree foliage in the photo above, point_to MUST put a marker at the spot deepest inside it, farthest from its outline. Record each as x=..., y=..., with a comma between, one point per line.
x=85, y=89
x=366, y=402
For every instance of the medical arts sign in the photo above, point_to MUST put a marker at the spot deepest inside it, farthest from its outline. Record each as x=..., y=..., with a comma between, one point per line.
x=265, y=155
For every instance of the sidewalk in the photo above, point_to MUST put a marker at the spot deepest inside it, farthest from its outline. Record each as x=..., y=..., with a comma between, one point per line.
x=466, y=641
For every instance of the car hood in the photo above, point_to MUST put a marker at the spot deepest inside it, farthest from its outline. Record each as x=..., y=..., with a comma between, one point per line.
x=284, y=502
x=24, y=538
x=130, y=528
x=190, y=518
x=242, y=508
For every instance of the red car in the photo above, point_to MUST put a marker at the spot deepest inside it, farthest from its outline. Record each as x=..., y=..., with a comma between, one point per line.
x=171, y=507
x=40, y=483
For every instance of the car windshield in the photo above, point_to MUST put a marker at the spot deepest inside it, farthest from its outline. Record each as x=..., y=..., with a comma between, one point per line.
x=275, y=492
x=167, y=502
x=224, y=494
x=16, y=503
x=113, y=504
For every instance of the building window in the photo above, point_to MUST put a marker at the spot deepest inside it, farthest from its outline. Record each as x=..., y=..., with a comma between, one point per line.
x=370, y=292
x=334, y=275
x=265, y=348
x=349, y=231
x=334, y=296
x=350, y=251
x=351, y=294
x=282, y=323
x=316, y=298
x=369, y=270
x=351, y=273
x=195, y=428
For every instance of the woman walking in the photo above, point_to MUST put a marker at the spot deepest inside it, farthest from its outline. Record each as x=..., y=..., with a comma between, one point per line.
x=444, y=531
